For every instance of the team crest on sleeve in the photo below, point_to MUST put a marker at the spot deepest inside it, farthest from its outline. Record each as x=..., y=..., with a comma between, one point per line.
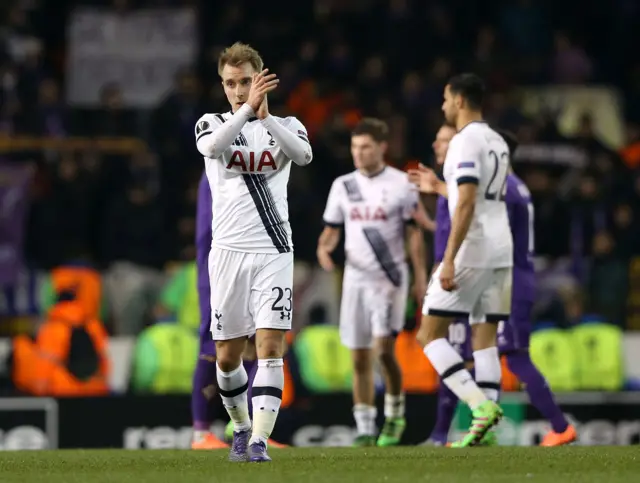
x=202, y=126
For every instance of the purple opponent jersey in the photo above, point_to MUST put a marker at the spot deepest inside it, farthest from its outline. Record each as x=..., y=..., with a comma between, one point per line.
x=520, y=210
x=514, y=334
x=203, y=246
x=443, y=227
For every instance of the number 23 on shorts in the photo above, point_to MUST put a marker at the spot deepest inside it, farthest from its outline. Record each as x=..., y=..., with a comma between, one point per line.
x=283, y=302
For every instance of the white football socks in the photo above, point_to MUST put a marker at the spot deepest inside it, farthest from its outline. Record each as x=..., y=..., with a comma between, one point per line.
x=233, y=388
x=448, y=363
x=393, y=406
x=365, y=417
x=266, y=398
x=488, y=372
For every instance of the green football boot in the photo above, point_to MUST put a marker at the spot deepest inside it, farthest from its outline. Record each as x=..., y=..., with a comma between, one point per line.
x=392, y=432
x=490, y=439
x=485, y=417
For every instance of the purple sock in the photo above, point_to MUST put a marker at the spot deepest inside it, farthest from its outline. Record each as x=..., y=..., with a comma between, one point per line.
x=204, y=390
x=539, y=392
x=447, y=402
x=251, y=367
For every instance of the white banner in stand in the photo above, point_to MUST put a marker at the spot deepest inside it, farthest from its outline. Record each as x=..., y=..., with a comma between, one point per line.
x=141, y=51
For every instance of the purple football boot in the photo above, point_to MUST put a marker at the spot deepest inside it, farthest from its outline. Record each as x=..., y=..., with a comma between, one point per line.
x=258, y=453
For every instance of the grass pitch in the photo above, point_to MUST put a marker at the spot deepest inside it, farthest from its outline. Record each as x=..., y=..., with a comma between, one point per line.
x=330, y=465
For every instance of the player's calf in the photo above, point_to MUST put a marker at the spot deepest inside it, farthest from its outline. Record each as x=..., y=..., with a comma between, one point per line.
x=394, y=400
x=542, y=399
x=364, y=408
x=431, y=329
x=229, y=353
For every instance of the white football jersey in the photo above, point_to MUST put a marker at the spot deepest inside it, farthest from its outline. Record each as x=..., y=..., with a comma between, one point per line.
x=249, y=187
x=374, y=212
x=478, y=154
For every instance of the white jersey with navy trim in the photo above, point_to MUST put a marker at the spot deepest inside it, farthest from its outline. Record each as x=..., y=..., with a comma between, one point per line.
x=478, y=154
x=249, y=186
x=374, y=211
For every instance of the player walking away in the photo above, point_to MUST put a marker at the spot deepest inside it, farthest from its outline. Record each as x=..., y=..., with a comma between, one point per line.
x=375, y=204
x=474, y=278
x=514, y=334
x=205, y=386
x=459, y=335
x=247, y=154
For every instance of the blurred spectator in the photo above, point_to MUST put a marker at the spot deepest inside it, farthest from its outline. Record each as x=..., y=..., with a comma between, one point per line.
x=626, y=230
x=136, y=246
x=525, y=28
x=571, y=65
x=608, y=279
x=588, y=213
x=112, y=119
x=49, y=116
x=66, y=213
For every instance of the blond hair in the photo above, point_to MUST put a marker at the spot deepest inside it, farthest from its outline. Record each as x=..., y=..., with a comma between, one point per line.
x=239, y=54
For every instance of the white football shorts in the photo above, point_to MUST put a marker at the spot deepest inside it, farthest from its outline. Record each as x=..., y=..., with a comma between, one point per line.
x=482, y=294
x=249, y=291
x=371, y=310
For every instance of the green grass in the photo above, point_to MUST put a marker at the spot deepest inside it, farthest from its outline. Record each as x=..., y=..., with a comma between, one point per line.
x=331, y=465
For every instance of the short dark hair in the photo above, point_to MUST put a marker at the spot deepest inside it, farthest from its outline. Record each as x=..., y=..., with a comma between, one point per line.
x=469, y=86
x=376, y=128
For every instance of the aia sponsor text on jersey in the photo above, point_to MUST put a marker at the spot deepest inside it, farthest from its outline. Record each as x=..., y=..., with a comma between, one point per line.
x=367, y=213
x=252, y=162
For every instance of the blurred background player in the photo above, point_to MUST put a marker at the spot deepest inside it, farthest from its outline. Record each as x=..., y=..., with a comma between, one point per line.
x=248, y=154
x=375, y=204
x=513, y=334
x=474, y=278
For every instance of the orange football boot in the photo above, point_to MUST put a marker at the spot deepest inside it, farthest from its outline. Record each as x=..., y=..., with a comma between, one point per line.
x=560, y=439
x=209, y=441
